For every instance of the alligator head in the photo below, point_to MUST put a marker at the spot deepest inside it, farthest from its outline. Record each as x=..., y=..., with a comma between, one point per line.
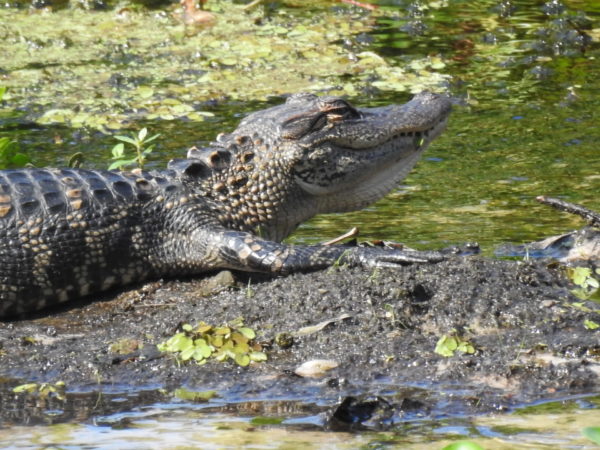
x=314, y=155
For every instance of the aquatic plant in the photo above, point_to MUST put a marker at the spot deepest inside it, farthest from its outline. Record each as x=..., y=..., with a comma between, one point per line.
x=447, y=345
x=233, y=341
x=139, y=142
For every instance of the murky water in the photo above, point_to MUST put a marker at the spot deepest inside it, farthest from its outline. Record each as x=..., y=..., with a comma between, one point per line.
x=527, y=73
x=159, y=426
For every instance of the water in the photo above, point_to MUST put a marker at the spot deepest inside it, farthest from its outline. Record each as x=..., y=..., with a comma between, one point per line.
x=527, y=74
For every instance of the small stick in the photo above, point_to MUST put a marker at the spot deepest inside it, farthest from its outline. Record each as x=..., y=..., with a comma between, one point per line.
x=350, y=2
x=361, y=4
x=591, y=217
x=351, y=233
x=252, y=4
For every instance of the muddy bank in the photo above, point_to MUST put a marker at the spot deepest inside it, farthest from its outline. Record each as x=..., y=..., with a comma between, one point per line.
x=525, y=326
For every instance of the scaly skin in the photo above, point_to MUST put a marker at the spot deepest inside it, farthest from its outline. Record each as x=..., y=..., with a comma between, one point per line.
x=67, y=233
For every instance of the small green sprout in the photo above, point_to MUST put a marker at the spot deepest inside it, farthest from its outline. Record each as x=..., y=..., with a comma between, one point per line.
x=76, y=160
x=249, y=291
x=205, y=341
x=447, y=345
x=374, y=277
x=587, y=281
x=139, y=142
x=591, y=325
x=341, y=261
x=44, y=390
x=10, y=156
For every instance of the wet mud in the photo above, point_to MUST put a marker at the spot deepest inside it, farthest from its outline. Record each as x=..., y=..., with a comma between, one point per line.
x=526, y=328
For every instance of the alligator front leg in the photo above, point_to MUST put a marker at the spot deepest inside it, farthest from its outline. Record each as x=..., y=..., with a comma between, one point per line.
x=247, y=252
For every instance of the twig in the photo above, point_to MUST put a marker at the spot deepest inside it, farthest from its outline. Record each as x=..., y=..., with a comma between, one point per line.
x=591, y=217
x=361, y=4
x=252, y=4
x=351, y=233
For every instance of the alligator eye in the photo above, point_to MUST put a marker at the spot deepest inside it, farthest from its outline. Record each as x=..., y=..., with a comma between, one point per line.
x=299, y=126
x=339, y=110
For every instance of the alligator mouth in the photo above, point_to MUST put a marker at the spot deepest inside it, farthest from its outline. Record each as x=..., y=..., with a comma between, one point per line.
x=427, y=134
x=395, y=156
x=424, y=117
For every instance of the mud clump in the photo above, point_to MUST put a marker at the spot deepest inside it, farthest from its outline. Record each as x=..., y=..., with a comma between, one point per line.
x=526, y=328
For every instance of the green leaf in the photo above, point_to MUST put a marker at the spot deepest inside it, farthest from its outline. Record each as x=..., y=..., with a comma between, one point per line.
x=200, y=355
x=247, y=332
x=75, y=160
x=242, y=359
x=121, y=163
x=204, y=328
x=150, y=139
x=19, y=160
x=28, y=387
x=582, y=276
x=257, y=356
x=590, y=324
x=145, y=91
x=187, y=327
x=445, y=346
x=2, y=92
x=179, y=342
x=217, y=341
x=118, y=151
x=187, y=353
x=4, y=143
x=203, y=348
x=127, y=139
x=142, y=134
x=592, y=433
x=222, y=330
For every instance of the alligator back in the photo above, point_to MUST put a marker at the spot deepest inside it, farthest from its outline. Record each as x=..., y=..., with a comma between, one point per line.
x=67, y=232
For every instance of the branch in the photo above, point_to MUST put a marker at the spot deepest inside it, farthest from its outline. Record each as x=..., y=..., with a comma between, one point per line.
x=591, y=217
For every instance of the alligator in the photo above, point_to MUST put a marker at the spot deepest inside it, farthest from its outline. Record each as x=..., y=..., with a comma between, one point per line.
x=66, y=233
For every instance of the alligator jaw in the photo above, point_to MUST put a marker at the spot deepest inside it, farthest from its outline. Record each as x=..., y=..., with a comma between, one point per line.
x=372, y=154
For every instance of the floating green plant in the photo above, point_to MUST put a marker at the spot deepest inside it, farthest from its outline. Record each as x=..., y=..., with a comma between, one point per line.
x=204, y=342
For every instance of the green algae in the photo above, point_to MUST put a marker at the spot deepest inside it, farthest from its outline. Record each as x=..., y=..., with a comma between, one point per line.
x=104, y=70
